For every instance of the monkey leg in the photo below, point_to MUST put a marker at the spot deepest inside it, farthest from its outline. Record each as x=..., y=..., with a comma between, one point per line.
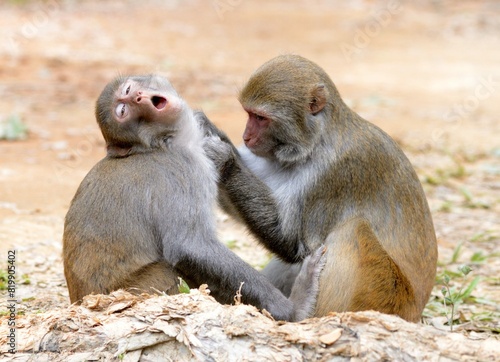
x=282, y=275
x=360, y=275
x=151, y=279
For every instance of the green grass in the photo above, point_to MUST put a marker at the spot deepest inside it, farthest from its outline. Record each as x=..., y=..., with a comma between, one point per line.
x=183, y=286
x=13, y=128
x=457, y=293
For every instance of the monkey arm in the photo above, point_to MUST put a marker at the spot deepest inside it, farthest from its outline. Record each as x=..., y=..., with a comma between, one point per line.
x=244, y=196
x=210, y=262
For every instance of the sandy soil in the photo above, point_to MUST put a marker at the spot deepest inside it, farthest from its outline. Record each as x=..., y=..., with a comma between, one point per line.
x=425, y=72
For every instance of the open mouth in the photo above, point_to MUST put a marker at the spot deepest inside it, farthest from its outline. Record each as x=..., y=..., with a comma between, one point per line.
x=159, y=102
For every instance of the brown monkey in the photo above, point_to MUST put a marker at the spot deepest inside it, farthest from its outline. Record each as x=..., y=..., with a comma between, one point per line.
x=312, y=171
x=143, y=215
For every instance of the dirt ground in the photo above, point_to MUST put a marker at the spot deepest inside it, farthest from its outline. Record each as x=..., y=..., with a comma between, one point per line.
x=427, y=72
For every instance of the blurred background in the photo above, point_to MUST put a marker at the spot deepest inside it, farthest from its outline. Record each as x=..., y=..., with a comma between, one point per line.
x=425, y=71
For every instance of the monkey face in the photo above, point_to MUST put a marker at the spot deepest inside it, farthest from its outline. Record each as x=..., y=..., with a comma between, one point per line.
x=149, y=99
x=286, y=100
x=256, y=135
x=138, y=110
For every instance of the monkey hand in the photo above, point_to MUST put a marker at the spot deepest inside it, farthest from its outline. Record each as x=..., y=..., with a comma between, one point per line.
x=313, y=265
x=209, y=129
x=221, y=153
x=205, y=124
x=306, y=287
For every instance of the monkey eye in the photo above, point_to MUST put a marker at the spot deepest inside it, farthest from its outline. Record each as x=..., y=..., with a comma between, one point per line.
x=259, y=117
x=127, y=91
x=121, y=110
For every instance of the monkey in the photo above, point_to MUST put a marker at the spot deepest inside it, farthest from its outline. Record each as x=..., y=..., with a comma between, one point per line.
x=143, y=216
x=311, y=171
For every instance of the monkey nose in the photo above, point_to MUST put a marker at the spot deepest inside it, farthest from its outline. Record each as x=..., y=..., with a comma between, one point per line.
x=246, y=138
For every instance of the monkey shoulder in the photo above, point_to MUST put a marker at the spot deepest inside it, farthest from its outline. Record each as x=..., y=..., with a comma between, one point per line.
x=368, y=150
x=147, y=175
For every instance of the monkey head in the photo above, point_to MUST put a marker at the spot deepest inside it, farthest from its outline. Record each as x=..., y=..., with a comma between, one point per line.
x=137, y=113
x=289, y=101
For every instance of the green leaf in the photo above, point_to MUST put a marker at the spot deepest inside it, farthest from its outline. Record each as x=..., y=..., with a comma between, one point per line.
x=466, y=194
x=465, y=269
x=446, y=279
x=467, y=292
x=183, y=286
x=456, y=253
x=478, y=257
x=231, y=244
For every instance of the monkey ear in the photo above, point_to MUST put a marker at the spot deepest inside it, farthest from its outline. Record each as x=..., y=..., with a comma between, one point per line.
x=318, y=98
x=118, y=151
